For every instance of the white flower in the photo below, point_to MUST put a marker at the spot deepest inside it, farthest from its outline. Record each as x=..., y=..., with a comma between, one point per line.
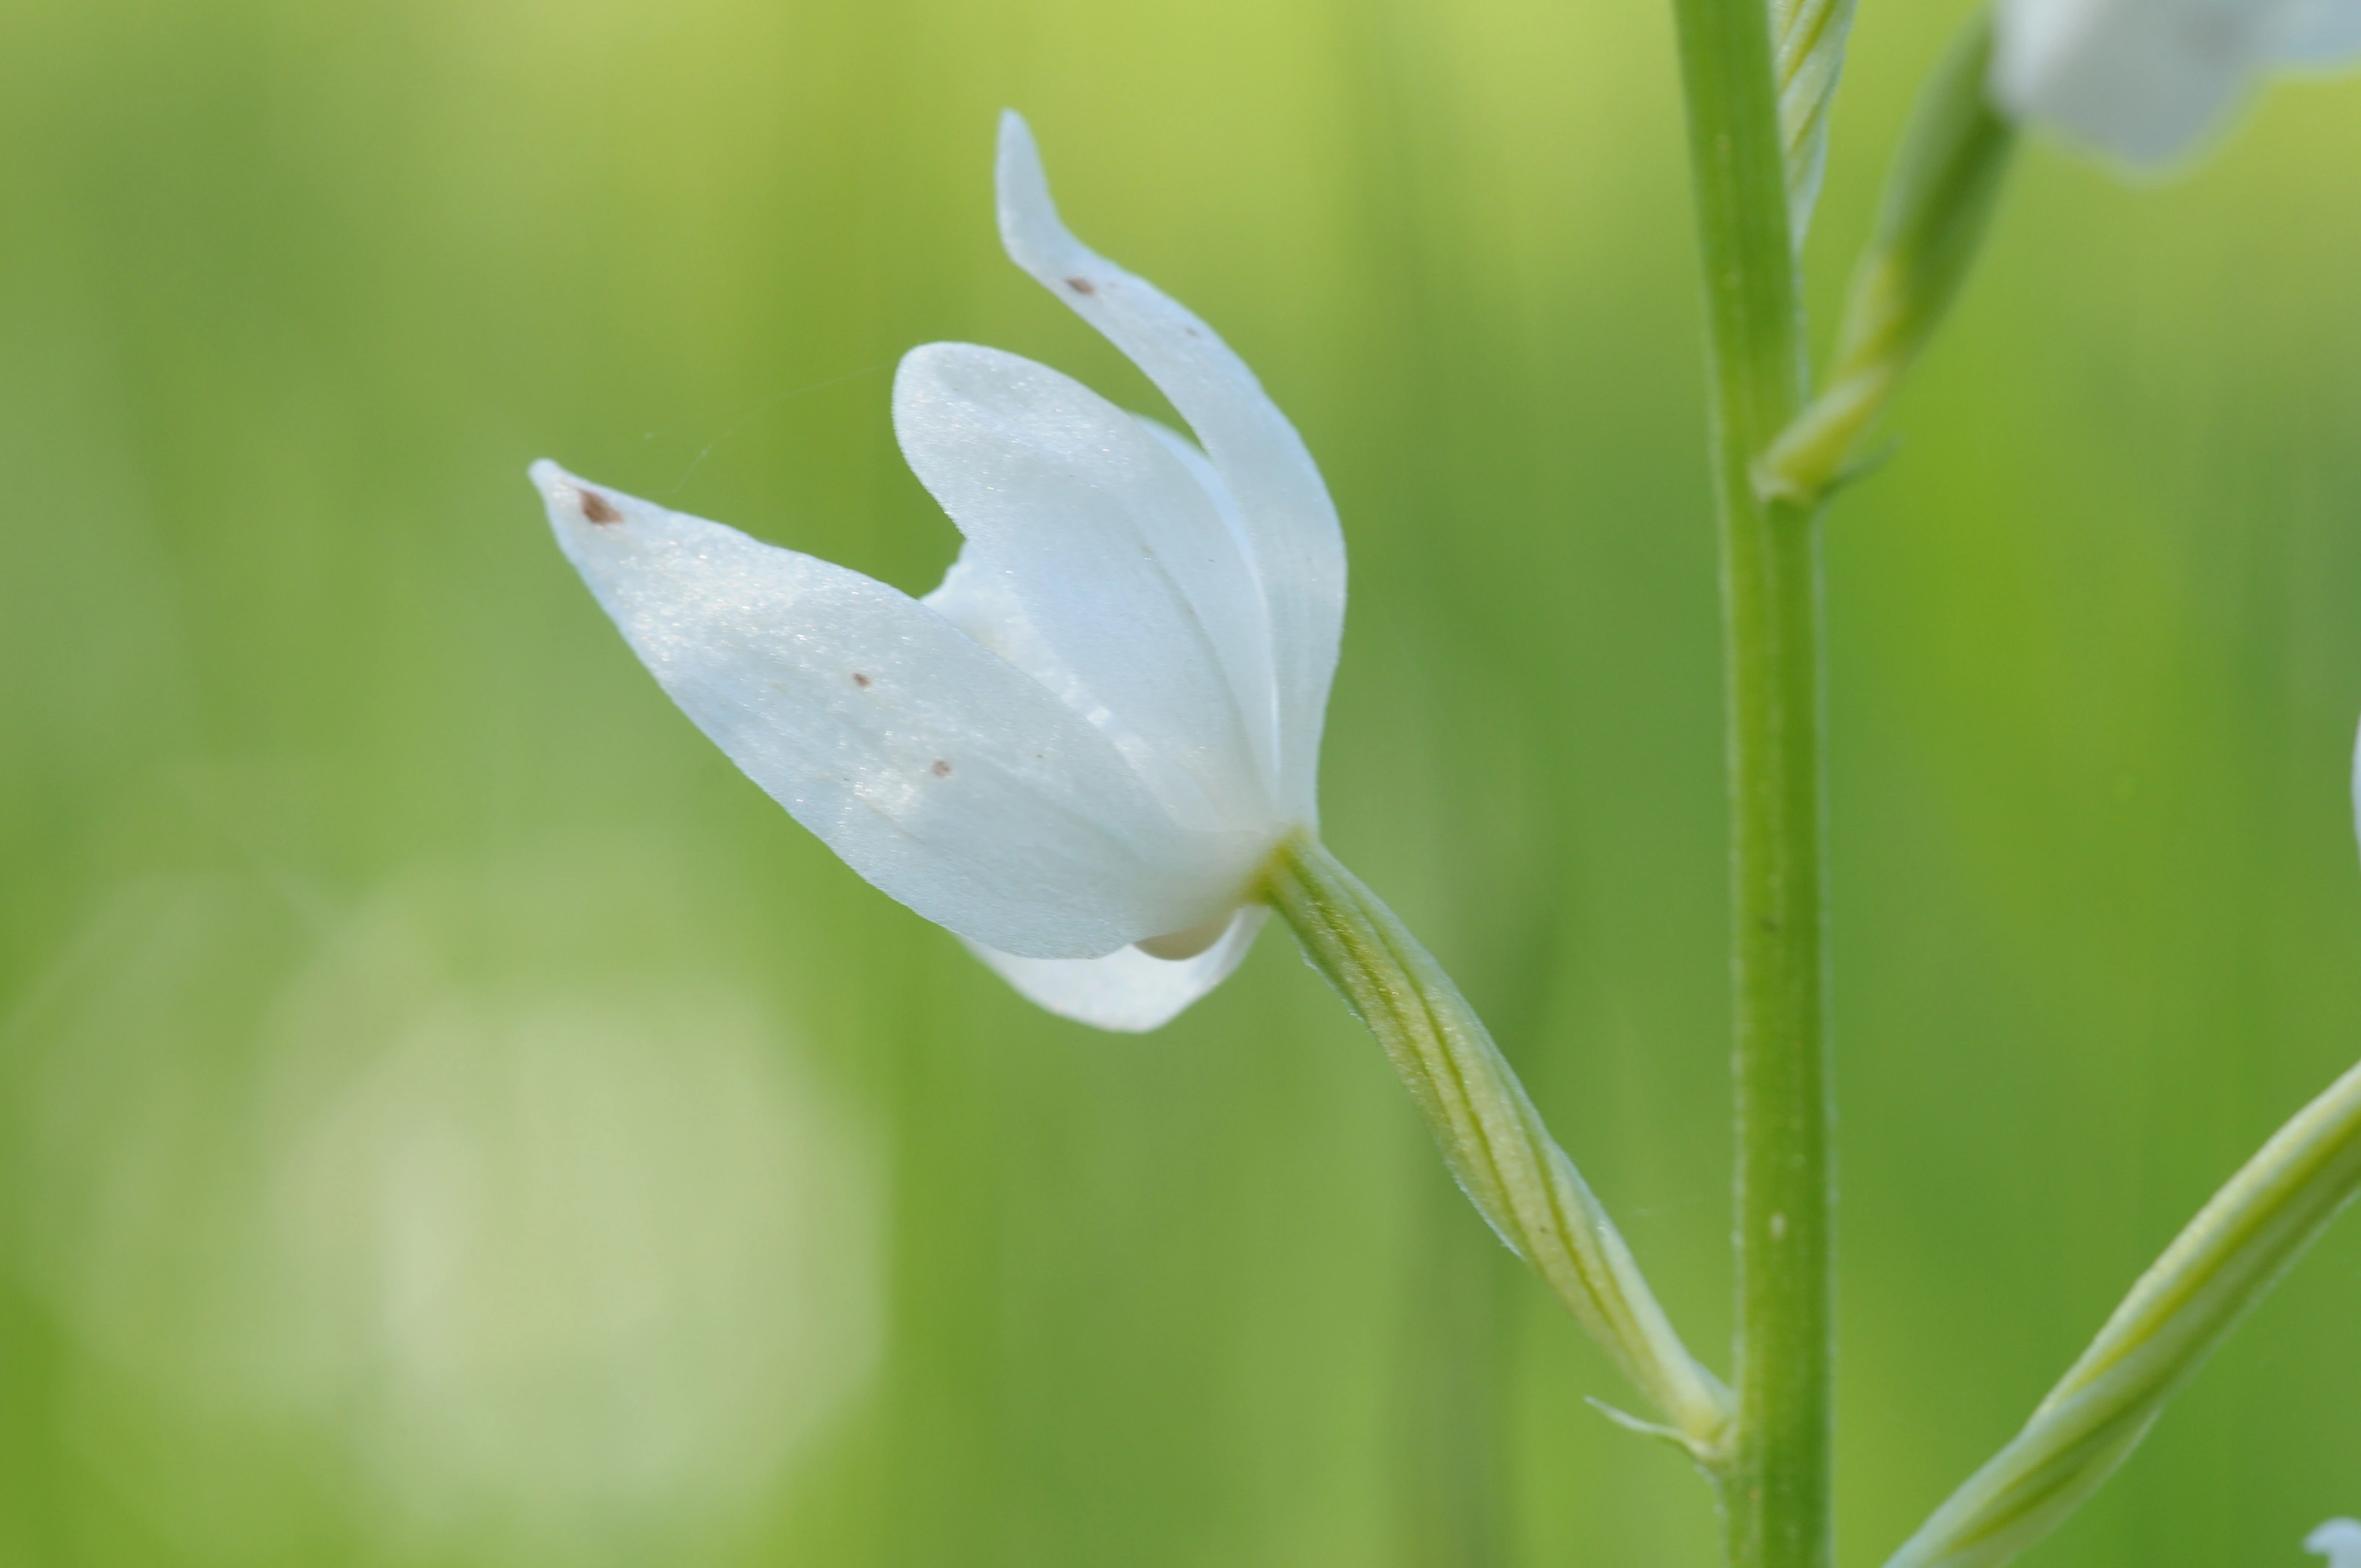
x=2143, y=79
x=1081, y=751
x=2339, y=1540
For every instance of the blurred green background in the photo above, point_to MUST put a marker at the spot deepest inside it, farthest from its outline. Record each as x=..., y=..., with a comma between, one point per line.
x=448, y=1117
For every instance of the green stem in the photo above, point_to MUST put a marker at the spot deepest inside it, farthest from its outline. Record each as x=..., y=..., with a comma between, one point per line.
x=1490, y=1135
x=1776, y=1490
x=1775, y=1484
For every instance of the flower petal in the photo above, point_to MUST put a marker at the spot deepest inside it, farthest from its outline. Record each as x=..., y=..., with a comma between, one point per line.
x=1116, y=557
x=1299, y=550
x=1128, y=990
x=2142, y=78
x=976, y=599
x=940, y=771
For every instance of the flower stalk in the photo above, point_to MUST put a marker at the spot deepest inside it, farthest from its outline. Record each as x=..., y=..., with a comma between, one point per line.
x=1490, y=1135
x=2188, y=1301
x=1776, y=1483
x=1939, y=200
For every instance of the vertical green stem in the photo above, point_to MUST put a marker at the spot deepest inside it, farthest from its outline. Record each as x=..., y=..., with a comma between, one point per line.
x=1776, y=1490
x=1775, y=1485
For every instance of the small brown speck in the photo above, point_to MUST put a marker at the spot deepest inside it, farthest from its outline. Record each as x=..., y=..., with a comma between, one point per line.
x=1192, y=331
x=861, y=680
x=1081, y=286
x=596, y=508
x=941, y=769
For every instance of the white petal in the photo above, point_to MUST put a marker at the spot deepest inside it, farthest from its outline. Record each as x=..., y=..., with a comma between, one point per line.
x=1116, y=557
x=976, y=599
x=2339, y=1540
x=2356, y=785
x=2141, y=78
x=1200, y=468
x=1297, y=548
x=1128, y=990
x=2319, y=33
x=936, y=769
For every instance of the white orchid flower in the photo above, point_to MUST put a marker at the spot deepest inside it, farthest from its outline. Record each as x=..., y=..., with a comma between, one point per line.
x=1079, y=753
x=2339, y=1540
x=2145, y=78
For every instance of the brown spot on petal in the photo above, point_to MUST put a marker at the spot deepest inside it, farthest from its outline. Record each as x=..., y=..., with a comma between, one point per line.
x=1081, y=286
x=941, y=769
x=595, y=507
x=861, y=680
